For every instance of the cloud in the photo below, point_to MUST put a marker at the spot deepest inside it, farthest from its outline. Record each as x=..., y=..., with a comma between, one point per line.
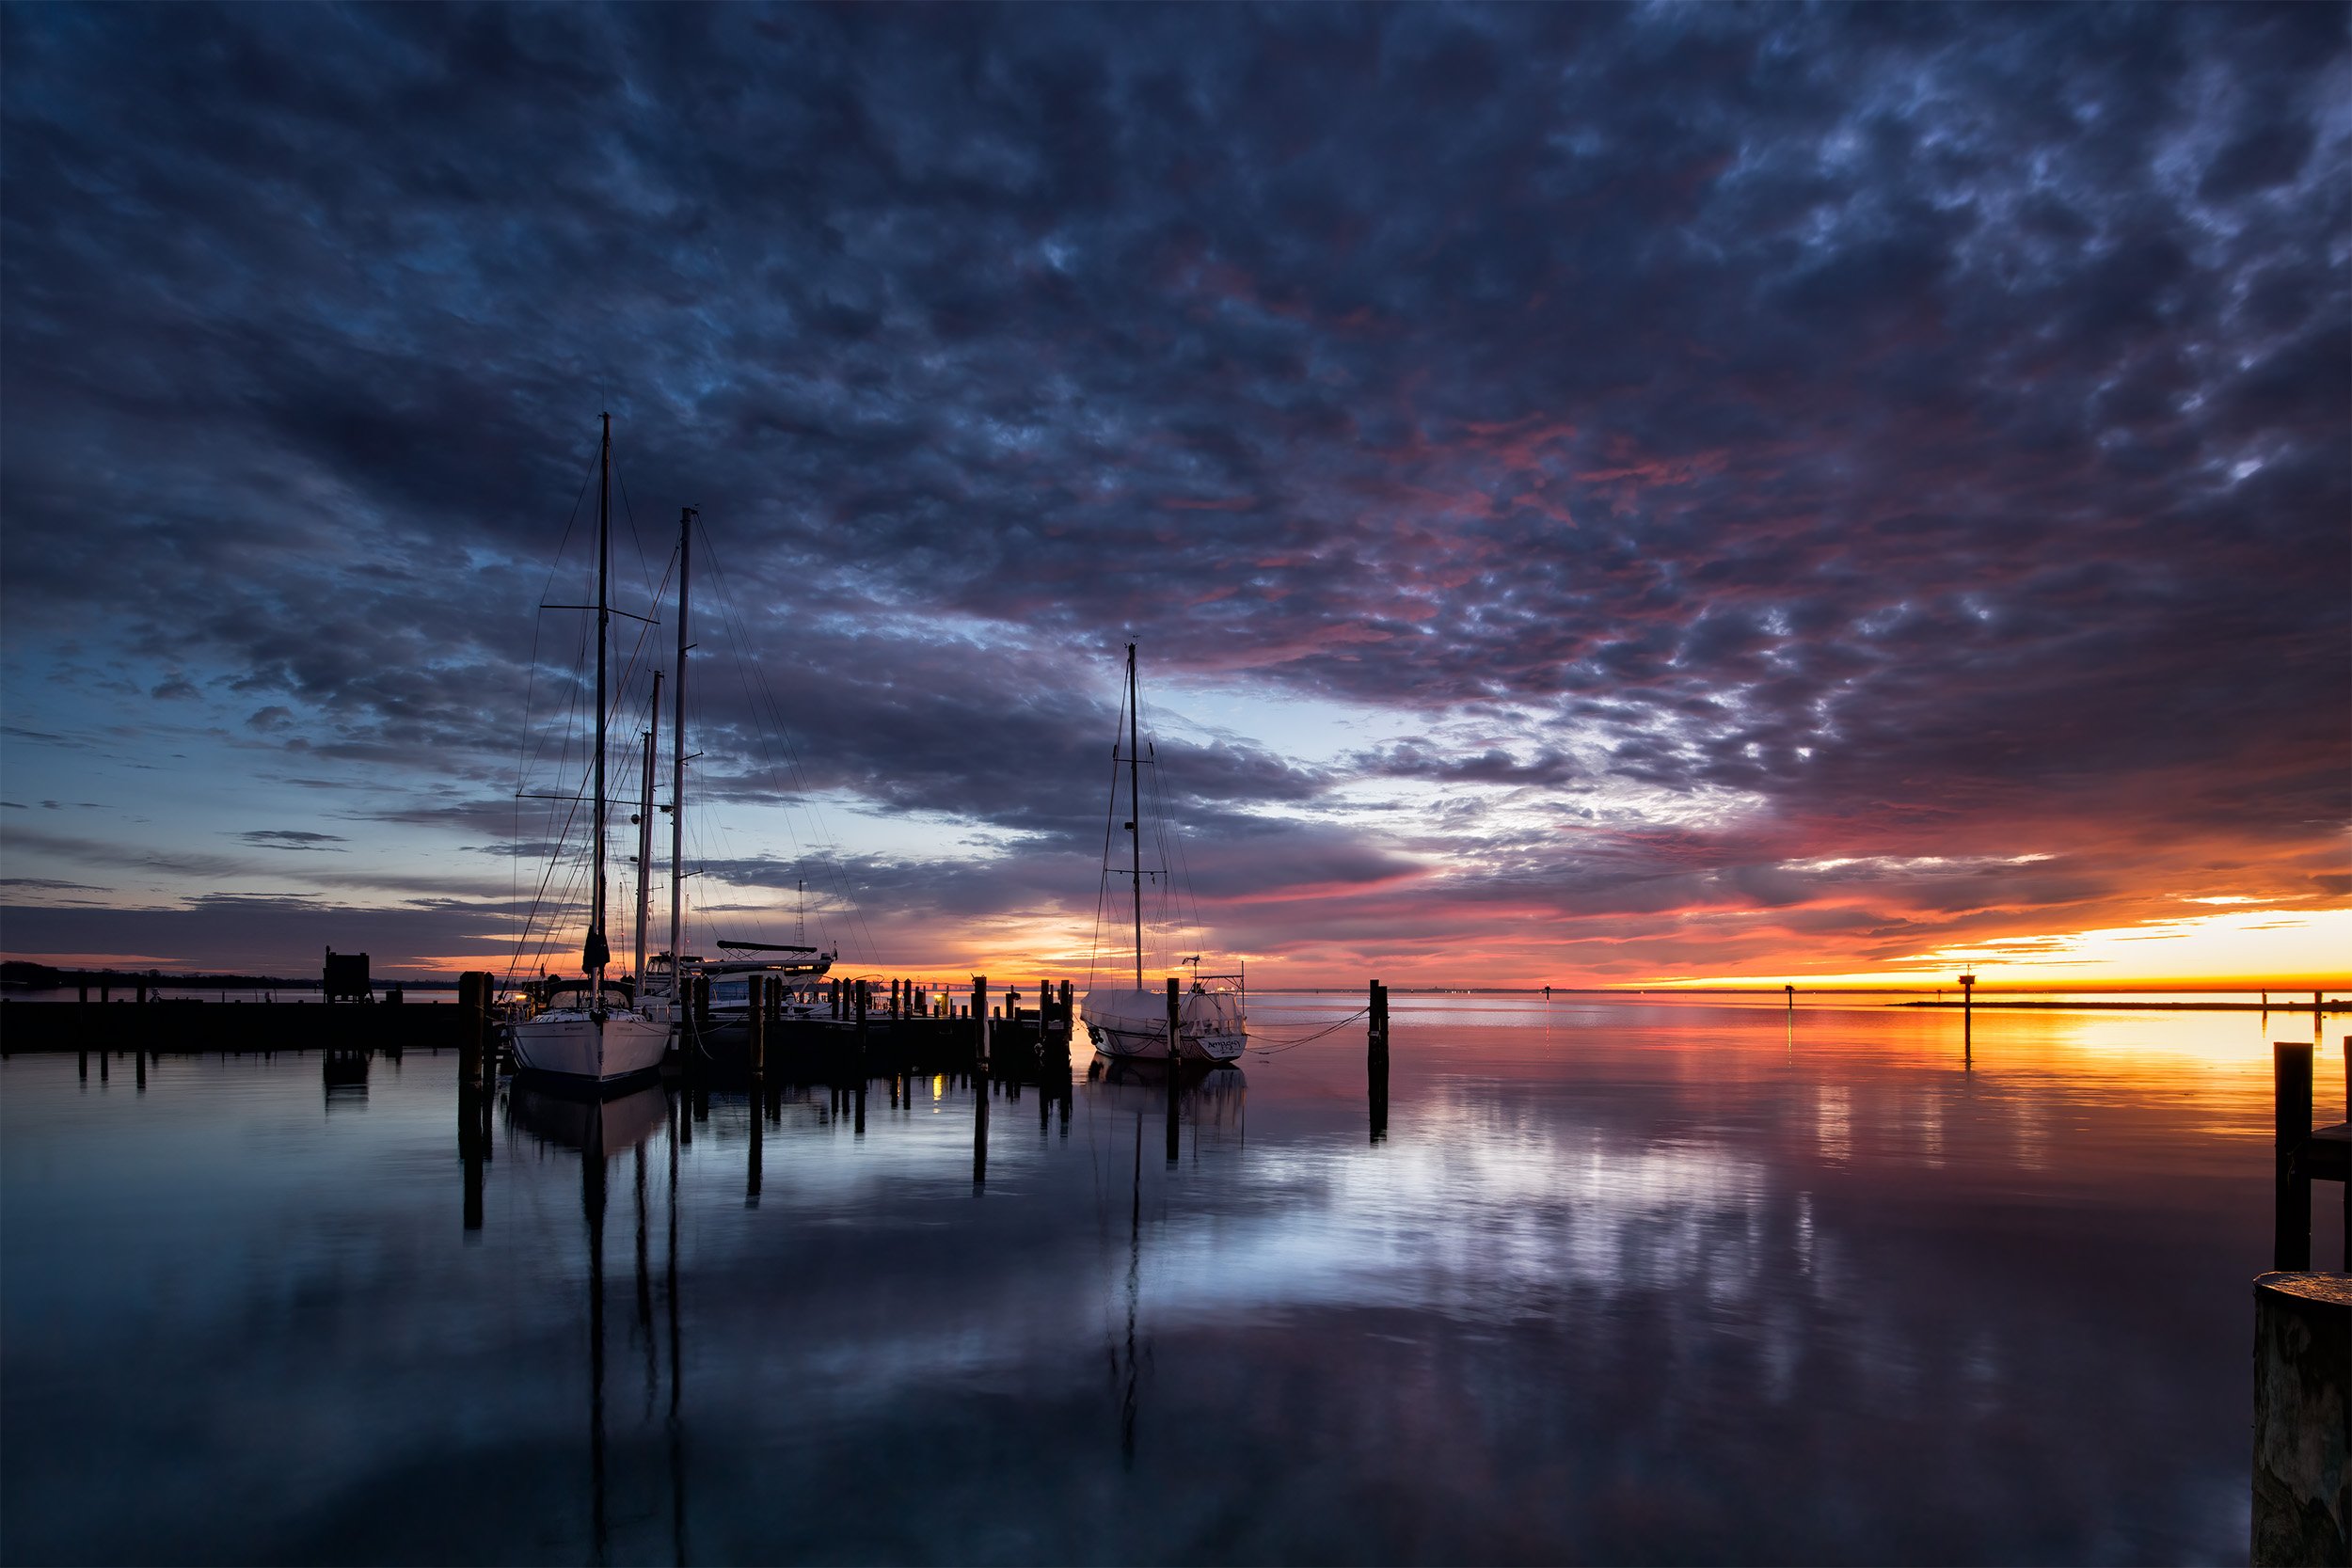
x=1880, y=435
x=293, y=838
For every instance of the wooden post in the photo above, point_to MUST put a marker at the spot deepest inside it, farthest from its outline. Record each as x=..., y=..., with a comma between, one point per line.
x=862, y=997
x=473, y=1023
x=979, y=1021
x=2291, y=1111
x=1175, y=1064
x=756, y=1039
x=1376, y=1061
x=1175, y=1022
x=2302, y=1384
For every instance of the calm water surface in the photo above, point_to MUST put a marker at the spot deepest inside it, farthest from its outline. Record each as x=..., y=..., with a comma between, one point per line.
x=1640, y=1280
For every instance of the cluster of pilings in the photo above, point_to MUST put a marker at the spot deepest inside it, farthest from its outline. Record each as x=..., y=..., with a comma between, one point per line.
x=873, y=1028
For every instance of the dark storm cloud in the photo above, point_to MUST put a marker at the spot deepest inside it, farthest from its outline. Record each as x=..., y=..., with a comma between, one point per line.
x=293, y=838
x=1925, y=423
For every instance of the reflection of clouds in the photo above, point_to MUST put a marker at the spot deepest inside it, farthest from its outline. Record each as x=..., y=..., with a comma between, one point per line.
x=1494, y=1219
x=1832, y=1122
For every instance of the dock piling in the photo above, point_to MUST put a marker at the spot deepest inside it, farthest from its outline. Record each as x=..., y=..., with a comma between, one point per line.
x=756, y=1022
x=2302, y=1384
x=2291, y=1111
x=1175, y=1066
x=979, y=1021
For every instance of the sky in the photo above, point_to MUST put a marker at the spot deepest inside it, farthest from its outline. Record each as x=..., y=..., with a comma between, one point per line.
x=1603, y=496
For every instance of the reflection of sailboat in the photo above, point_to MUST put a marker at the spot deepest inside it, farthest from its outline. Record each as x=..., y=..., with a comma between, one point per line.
x=1127, y=1392
x=1216, y=1096
x=1212, y=1096
x=577, y=1121
x=599, y=1129
x=1211, y=1025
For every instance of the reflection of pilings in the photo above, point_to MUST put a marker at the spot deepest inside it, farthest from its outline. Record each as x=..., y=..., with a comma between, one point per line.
x=591, y=1175
x=472, y=1134
x=754, y=1121
x=979, y=1126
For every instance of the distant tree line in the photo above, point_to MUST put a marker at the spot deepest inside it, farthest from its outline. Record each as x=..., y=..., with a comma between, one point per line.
x=17, y=973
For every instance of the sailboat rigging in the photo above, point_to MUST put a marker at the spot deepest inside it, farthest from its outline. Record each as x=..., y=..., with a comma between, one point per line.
x=1211, y=1024
x=596, y=1031
x=719, y=1028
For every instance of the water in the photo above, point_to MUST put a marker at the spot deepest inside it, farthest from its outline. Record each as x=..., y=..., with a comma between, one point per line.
x=1638, y=1280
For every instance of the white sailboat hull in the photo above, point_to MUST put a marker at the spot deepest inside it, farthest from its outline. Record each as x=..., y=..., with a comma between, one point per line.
x=1134, y=1024
x=568, y=1044
x=1191, y=1046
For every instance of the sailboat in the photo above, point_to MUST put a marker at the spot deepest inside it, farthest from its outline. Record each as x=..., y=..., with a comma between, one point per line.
x=594, y=1031
x=1211, y=1025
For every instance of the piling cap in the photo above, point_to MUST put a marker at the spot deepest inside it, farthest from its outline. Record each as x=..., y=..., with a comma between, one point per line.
x=2321, y=1290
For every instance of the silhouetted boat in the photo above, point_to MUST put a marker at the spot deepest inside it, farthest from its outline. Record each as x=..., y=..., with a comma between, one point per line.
x=1211, y=1024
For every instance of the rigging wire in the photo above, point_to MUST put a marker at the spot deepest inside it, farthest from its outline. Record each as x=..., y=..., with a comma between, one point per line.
x=756, y=691
x=621, y=702
x=1281, y=1045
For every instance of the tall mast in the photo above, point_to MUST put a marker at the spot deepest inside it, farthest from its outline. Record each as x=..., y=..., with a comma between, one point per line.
x=597, y=954
x=645, y=836
x=678, y=757
x=1134, y=814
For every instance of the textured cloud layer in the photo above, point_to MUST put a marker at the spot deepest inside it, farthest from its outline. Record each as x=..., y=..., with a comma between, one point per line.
x=1797, y=487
